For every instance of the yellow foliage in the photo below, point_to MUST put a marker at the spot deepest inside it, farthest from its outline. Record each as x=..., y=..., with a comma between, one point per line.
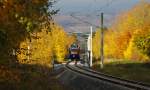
x=22, y=55
x=110, y=46
x=60, y=43
x=119, y=38
x=40, y=49
x=45, y=46
x=96, y=45
x=132, y=53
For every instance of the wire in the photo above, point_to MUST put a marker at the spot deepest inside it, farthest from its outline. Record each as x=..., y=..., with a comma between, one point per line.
x=106, y=5
x=83, y=21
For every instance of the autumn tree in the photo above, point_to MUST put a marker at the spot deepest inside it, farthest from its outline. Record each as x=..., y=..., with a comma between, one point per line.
x=60, y=43
x=134, y=21
x=46, y=46
x=20, y=18
x=128, y=37
x=96, y=45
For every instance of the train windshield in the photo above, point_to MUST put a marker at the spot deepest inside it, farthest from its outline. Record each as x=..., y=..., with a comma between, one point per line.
x=74, y=46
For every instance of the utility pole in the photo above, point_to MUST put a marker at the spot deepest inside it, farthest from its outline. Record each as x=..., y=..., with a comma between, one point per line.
x=102, y=42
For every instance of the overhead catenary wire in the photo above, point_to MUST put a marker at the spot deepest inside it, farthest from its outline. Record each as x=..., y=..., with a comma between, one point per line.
x=102, y=34
x=87, y=22
x=107, y=5
x=83, y=21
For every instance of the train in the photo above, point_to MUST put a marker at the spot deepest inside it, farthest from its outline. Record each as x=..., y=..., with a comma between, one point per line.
x=74, y=52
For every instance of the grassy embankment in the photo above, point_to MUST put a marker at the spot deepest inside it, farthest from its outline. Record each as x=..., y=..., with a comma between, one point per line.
x=29, y=77
x=131, y=70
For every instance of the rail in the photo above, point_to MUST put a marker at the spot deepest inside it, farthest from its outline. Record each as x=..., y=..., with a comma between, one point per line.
x=108, y=78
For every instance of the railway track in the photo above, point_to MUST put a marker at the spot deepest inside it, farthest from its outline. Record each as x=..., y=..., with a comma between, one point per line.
x=108, y=78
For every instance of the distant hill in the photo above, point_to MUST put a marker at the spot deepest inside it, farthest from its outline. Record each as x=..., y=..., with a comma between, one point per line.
x=71, y=24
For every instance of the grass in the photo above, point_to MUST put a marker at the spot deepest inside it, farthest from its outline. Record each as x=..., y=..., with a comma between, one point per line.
x=29, y=77
x=131, y=70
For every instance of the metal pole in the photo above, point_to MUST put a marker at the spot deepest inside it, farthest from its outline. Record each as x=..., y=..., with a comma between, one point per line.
x=102, y=42
x=91, y=55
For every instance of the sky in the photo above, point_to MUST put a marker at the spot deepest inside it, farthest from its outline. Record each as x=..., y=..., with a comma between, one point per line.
x=88, y=10
x=85, y=6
